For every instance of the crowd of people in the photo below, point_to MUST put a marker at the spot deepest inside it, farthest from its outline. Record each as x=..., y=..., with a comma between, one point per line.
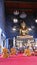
x=13, y=51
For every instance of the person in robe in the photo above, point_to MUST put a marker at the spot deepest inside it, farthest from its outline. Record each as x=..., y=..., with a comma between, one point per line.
x=5, y=53
x=12, y=51
x=23, y=29
x=27, y=52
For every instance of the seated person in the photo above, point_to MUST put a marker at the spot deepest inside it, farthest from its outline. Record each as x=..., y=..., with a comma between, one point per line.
x=13, y=51
x=5, y=53
x=27, y=52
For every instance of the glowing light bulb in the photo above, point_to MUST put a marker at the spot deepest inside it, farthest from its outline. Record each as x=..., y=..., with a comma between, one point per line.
x=15, y=20
x=14, y=28
x=36, y=20
x=29, y=29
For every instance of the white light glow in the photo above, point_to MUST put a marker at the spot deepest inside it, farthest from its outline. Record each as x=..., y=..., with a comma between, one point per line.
x=29, y=29
x=23, y=15
x=14, y=28
x=15, y=20
x=4, y=35
x=36, y=45
x=16, y=12
x=36, y=20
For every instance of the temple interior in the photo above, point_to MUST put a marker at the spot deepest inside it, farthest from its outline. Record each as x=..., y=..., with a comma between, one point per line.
x=18, y=27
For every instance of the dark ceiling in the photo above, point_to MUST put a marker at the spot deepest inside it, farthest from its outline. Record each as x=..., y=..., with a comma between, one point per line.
x=30, y=8
x=25, y=6
x=23, y=0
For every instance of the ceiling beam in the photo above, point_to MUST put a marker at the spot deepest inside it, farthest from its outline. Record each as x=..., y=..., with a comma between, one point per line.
x=21, y=4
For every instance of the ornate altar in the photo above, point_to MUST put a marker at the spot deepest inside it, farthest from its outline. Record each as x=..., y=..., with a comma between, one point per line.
x=24, y=39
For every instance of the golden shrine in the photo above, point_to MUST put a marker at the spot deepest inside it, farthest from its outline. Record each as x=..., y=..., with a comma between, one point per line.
x=24, y=38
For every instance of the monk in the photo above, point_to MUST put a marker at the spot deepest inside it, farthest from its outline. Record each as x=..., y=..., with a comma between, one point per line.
x=5, y=53
x=27, y=52
x=13, y=51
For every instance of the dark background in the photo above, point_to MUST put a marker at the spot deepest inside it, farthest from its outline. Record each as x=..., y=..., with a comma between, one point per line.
x=30, y=9
x=23, y=0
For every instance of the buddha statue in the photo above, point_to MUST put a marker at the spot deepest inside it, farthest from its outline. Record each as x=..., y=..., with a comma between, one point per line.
x=23, y=29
